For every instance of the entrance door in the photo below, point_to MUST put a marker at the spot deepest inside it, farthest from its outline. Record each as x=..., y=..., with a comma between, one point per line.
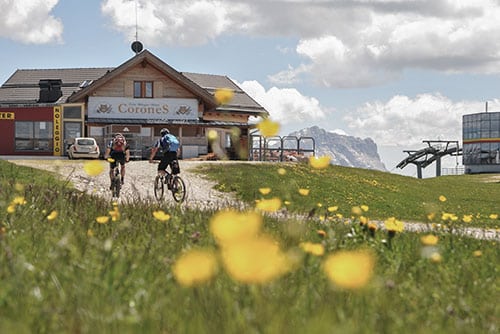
x=71, y=131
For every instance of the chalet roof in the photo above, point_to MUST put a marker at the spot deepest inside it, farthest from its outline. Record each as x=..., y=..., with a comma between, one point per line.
x=22, y=86
x=77, y=83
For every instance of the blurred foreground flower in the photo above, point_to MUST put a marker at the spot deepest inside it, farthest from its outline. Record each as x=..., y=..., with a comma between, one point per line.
x=195, y=267
x=93, y=168
x=229, y=226
x=223, y=95
x=268, y=128
x=319, y=162
x=312, y=248
x=269, y=205
x=350, y=269
x=258, y=260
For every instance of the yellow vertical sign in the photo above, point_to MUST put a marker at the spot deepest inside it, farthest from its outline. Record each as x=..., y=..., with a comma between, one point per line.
x=57, y=130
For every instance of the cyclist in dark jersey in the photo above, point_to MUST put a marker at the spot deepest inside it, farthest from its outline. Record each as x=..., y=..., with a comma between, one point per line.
x=169, y=144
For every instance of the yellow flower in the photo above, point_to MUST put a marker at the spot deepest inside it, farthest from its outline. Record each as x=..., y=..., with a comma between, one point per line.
x=281, y=171
x=467, y=218
x=115, y=213
x=363, y=220
x=195, y=267
x=52, y=215
x=230, y=226
x=312, y=248
x=332, y=208
x=319, y=163
x=223, y=95
x=493, y=216
x=269, y=205
x=161, y=216
x=303, y=191
x=364, y=208
x=264, y=191
x=442, y=198
x=477, y=253
x=356, y=211
x=321, y=233
x=212, y=135
x=372, y=226
x=18, y=200
x=287, y=202
x=93, y=167
x=350, y=269
x=436, y=257
x=429, y=240
x=110, y=160
x=449, y=216
x=431, y=216
x=257, y=260
x=394, y=225
x=102, y=219
x=11, y=208
x=268, y=128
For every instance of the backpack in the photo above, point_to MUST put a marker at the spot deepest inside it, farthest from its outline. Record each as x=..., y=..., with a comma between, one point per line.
x=169, y=143
x=119, y=144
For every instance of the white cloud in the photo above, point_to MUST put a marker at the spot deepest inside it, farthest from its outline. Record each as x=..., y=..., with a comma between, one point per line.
x=285, y=105
x=343, y=44
x=407, y=122
x=30, y=22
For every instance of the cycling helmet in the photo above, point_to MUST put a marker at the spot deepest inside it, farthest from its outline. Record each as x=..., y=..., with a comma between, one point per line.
x=164, y=131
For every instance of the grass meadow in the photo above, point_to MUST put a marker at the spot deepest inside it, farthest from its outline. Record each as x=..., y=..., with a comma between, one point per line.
x=75, y=263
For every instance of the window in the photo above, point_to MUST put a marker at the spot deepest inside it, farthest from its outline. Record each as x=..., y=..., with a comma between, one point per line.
x=34, y=136
x=143, y=89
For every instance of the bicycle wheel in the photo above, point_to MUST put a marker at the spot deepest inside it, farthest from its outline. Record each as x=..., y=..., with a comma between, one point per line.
x=178, y=189
x=117, y=185
x=159, y=188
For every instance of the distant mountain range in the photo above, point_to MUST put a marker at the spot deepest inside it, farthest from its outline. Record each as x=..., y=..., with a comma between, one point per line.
x=344, y=150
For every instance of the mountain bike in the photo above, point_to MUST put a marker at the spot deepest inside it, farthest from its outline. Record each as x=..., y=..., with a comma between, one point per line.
x=116, y=181
x=174, y=184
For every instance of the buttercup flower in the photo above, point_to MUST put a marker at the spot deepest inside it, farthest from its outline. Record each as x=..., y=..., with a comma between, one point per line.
x=321, y=233
x=264, y=191
x=268, y=128
x=52, y=215
x=429, y=240
x=467, y=218
x=223, y=95
x=255, y=260
x=350, y=269
x=442, y=198
x=18, y=200
x=161, y=216
x=312, y=248
x=269, y=205
x=319, y=162
x=477, y=253
x=493, y=216
x=303, y=191
x=195, y=267
x=232, y=226
x=212, y=135
x=93, y=168
x=332, y=208
x=364, y=208
x=281, y=171
x=102, y=219
x=394, y=225
x=356, y=211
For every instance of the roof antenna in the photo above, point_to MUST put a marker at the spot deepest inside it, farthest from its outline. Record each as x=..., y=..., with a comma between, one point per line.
x=136, y=45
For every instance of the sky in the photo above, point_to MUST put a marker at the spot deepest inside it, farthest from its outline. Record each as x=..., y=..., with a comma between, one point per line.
x=396, y=71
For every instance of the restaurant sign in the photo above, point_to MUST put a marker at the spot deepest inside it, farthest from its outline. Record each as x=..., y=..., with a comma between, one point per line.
x=128, y=108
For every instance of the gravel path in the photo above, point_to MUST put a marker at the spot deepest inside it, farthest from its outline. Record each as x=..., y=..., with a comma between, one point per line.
x=139, y=180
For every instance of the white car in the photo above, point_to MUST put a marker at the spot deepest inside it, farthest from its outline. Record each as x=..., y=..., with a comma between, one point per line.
x=84, y=147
